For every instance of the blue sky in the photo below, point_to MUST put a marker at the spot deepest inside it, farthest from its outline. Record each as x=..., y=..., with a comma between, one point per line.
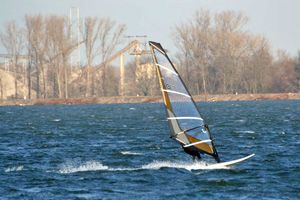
x=277, y=20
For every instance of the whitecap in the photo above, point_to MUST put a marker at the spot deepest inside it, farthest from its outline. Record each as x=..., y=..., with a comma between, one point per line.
x=56, y=120
x=130, y=153
x=132, y=108
x=14, y=169
x=86, y=196
x=88, y=166
x=247, y=131
x=33, y=190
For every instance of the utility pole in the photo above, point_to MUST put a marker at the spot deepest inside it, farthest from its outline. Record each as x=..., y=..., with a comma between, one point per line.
x=122, y=74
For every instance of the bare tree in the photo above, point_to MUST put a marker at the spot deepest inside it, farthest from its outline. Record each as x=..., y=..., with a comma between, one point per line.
x=13, y=40
x=91, y=34
x=219, y=52
x=37, y=45
x=65, y=48
x=228, y=44
x=185, y=58
x=283, y=73
x=52, y=55
x=31, y=52
x=110, y=37
x=64, y=45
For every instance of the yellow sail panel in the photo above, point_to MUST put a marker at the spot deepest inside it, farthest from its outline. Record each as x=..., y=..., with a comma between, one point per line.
x=162, y=86
x=167, y=100
x=202, y=146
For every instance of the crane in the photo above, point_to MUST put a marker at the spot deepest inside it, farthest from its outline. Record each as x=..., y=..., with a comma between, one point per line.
x=136, y=51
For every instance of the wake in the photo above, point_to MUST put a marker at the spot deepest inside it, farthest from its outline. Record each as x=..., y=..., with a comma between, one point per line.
x=155, y=165
x=88, y=166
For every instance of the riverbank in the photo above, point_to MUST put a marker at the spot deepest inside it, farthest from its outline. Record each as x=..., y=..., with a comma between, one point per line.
x=143, y=99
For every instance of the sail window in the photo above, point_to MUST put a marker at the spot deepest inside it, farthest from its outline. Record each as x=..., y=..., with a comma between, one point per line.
x=188, y=130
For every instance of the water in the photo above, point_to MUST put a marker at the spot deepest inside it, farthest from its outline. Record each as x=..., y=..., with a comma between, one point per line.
x=124, y=152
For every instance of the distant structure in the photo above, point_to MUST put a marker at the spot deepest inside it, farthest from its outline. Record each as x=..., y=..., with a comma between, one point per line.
x=140, y=48
x=145, y=71
x=7, y=74
x=133, y=48
x=74, y=23
x=7, y=64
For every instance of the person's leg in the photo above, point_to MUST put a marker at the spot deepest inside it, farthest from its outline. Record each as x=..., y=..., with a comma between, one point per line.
x=198, y=156
x=194, y=158
x=217, y=159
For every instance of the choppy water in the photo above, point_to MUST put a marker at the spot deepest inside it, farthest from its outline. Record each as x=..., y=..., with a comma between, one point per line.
x=124, y=152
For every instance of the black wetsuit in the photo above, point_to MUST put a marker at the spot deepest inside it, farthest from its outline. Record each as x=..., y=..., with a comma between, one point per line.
x=193, y=152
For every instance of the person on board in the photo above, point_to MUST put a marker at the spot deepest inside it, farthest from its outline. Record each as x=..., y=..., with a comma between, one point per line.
x=206, y=128
x=193, y=152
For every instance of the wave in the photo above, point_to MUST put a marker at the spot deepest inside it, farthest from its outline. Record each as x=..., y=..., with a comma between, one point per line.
x=130, y=153
x=88, y=166
x=155, y=165
x=246, y=131
x=14, y=169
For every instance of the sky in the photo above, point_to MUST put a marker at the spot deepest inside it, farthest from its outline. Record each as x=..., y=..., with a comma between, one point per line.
x=277, y=20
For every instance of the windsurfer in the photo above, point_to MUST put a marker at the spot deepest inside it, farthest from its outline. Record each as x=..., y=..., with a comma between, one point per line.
x=206, y=128
x=193, y=152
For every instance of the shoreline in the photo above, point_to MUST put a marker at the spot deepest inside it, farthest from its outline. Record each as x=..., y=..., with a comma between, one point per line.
x=152, y=99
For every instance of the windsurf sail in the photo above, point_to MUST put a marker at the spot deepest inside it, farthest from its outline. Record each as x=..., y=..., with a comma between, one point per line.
x=185, y=122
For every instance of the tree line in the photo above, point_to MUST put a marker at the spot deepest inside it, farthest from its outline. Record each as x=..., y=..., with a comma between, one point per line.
x=47, y=43
x=216, y=55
